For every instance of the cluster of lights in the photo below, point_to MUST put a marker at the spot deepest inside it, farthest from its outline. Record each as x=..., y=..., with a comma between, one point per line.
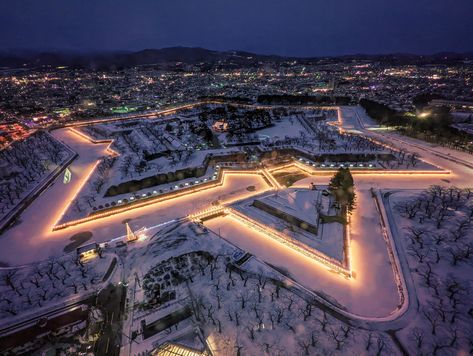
x=309, y=169
x=333, y=165
x=176, y=187
x=213, y=211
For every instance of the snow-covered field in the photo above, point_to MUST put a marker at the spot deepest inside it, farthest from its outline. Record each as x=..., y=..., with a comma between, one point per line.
x=34, y=240
x=250, y=308
x=436, y=230
x=27, y=164
x=283, y=291
x=42, y=285
x=305, y=205
x=373, y=275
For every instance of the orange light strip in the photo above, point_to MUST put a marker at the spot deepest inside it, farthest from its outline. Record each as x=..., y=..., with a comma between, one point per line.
x=79, y=188
x=185, y=191
x=295, y=245
x=90, y=139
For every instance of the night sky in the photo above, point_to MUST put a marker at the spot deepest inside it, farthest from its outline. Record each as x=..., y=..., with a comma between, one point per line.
x=291, y=27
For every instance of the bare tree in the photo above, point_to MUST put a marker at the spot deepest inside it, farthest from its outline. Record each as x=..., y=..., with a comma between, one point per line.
x=418, y=337
x=433, y=320
x=368, y=341
x=323, y=321
x=417, y=236
x=304, y=345
x=425, y=271
x=415, y=251
x=380, y=345
x=337, y=335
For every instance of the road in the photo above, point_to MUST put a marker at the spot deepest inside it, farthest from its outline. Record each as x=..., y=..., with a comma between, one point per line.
x=459, y=163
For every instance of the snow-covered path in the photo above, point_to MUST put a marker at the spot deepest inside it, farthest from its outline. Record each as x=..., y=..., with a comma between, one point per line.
x=459, y=163
x=33, y=240
x=370, y=262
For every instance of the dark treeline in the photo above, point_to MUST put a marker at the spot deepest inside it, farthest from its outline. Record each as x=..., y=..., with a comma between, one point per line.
x=158, y=179
x=226, y=99
x=303, y=100
x=135, y=185
x=435, y=127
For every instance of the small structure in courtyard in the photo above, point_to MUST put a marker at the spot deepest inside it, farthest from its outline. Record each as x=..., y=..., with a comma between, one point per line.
x=220, y=126
x=87, y=252
x=130, y=235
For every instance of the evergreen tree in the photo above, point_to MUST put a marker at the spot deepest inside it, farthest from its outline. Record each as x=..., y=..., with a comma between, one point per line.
x=343, y=188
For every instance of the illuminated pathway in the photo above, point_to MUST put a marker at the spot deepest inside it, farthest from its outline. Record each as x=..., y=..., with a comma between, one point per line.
x=370, y=262
x=32, y=239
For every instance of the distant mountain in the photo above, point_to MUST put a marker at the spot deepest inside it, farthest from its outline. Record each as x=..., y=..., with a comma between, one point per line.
x=188, y=55
x=193, y=55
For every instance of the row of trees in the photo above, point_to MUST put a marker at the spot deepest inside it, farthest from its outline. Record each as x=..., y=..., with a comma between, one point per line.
x=439, y=239
x=25, y=163
x=158, y=179
x=35, y=286
x=249, y=313
x=288, y=99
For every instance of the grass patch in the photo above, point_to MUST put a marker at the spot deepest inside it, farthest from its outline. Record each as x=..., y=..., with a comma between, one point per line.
x=166, y=322
x=327, y=219
x=110, y=269
x=77, y=240
x=289, y=178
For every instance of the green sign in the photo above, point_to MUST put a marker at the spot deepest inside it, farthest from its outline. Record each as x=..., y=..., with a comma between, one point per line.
x=67, y=176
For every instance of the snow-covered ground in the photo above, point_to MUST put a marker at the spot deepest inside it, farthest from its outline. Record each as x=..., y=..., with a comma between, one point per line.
x=27, y=165
x=373, y=274
x=436, y=233
x=251, y=308
x=32, y=237
x=305, y=205
x=143, y=149
x=40, y=286
x=289, y=127
x=372, y=292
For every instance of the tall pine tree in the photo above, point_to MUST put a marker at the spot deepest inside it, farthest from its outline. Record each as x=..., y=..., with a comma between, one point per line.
x=343, y=188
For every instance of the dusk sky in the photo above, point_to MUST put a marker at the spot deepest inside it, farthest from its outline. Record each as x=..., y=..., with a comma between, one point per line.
x=299, y=28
